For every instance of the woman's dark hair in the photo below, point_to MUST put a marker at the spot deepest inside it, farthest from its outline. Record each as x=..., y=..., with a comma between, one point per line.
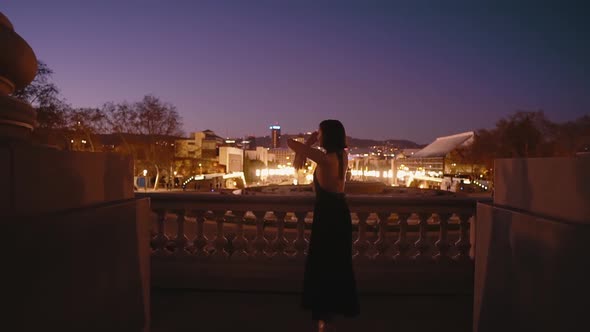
x=333, y=136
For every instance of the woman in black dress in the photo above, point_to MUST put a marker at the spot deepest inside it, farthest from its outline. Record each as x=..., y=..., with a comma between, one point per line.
x=329, y=286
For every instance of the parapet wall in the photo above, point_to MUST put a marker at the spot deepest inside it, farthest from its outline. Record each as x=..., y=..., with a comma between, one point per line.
x=38, y=180
x=531, y=269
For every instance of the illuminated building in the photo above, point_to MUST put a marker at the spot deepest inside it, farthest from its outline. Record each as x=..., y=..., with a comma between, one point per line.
x=275, y=134
x=231, y=158
x=260, y=153
x=283, y=156
x=202, y=144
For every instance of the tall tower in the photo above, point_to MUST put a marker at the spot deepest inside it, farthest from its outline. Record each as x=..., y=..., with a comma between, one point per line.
x=275, y=134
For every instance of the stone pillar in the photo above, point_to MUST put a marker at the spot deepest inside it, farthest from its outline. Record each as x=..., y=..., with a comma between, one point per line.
x=18, y=67
x=78, y=241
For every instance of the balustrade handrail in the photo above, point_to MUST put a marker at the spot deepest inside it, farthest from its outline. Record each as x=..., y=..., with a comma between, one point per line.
x=304, y=203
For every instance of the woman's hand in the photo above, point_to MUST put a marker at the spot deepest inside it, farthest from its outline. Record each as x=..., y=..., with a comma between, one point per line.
x=312, y=139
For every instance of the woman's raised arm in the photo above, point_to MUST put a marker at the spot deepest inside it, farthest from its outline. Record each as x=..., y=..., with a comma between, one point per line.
x=306, y=151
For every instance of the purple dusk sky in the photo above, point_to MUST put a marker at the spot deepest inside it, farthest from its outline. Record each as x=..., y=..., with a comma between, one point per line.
x=386, y=69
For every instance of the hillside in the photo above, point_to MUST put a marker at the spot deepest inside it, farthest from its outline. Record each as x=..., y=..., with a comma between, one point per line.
x=352, y=142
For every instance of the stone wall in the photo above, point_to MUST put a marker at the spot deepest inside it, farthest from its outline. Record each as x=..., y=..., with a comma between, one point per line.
x=531, y=269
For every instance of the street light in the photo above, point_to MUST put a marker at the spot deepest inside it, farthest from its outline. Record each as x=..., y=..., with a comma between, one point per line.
x=174, y=179
x=145, y=179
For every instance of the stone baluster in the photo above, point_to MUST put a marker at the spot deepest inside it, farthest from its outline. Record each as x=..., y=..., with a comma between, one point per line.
x=463, y=244
x=280, y=243
x=402, y=245
x=181, y=239
x=161, y=240
x=220, y=241
x=260, y=243
x=269, y=218
x=443, y=243
x=361, y=245
x=240, y=242
x=382, y=244
x=200, y=241
x=422, y=244
x=300, y=242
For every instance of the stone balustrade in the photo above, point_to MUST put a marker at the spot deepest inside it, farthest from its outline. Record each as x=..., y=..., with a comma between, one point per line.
x=258, y=242
x=385, y=229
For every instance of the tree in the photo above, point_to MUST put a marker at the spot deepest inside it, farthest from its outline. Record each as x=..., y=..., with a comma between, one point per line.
x=572, y=136
x=525, y=134
x=484, y=148
x=521, y=135
x=158, y=122
x=155, y=118
x=87, y=122
x=42, y=90
x=150, y=116
x=44, y=96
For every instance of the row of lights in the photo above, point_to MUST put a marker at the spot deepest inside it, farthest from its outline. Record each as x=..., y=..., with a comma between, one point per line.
x=485, y=187
x=372, y=173
x=283, y=171
x=145, y=171
x=194, y=177
x=406, y=172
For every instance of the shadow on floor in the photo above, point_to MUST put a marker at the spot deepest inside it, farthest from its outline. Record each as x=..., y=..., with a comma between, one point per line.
x=191, y=310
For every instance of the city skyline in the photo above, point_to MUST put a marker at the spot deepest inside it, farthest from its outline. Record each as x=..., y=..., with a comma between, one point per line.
x=387, y=71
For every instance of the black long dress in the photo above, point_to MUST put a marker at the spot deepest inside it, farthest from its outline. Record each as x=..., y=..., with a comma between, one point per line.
x=329, y=285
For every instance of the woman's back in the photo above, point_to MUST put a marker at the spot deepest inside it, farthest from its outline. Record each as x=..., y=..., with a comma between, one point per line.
x=330, y=173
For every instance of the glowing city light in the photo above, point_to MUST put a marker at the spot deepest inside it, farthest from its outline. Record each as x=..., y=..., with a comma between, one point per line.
x=280, y=171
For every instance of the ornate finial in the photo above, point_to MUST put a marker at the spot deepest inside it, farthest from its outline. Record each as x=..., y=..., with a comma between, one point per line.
x=18, y=67
x=5, y=22
x=18, y=64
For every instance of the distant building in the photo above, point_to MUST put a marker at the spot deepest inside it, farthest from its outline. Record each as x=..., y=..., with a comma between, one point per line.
x=235, y=142
x=437, y=165
x=275, y=134
x=203, y=144
x=231, y=158
x=407, y=153
x=260, y=153
x=249, y=143
x=433, y=156
x=283, y=156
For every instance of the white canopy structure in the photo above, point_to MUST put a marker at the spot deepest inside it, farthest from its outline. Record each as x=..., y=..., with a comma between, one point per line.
x=443, y=145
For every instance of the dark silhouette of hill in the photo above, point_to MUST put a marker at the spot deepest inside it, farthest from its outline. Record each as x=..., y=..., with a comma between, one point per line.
x=399, y=143
x=352, y=142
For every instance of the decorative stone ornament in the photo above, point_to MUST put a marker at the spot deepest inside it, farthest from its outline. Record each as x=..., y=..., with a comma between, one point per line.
x=18, y=67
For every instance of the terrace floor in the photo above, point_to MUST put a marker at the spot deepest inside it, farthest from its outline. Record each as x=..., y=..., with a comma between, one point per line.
x=196, y=310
